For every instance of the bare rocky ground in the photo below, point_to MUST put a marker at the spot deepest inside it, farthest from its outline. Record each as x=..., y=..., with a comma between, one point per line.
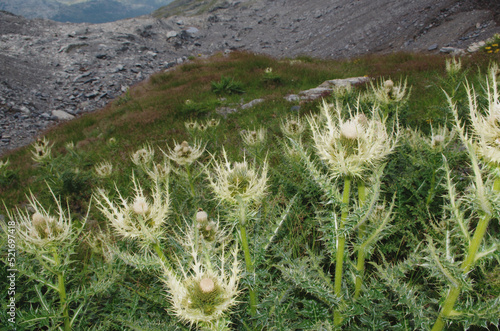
x=50, y=72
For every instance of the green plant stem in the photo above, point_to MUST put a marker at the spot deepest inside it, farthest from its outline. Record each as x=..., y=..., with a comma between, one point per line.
x=339, y=257
x=432, y=188
x=162, y=256
x=360, y=266
x=249, y=268
x=190, y=179
x=62, y=290
x=454, y=292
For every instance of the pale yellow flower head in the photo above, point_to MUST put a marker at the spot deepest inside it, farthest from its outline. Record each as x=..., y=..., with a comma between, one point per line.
x=293, y=127
x=238, y=181
x=213, y=123
x=103, y=169
x=184, y=154
x=4, y=164
x=387, y=92
x=204, y=293
x=453, y=66
x=41, y=230
x=191, y=125
x=144, y=156
x=254, y=137
x=41, y=150
x=486, y=123
x=350, y=147
x=140, y=218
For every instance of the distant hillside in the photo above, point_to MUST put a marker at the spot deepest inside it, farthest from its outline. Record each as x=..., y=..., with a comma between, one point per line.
x=78, y=11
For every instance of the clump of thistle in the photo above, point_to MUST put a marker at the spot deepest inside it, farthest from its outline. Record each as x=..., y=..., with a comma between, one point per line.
x=50, y=238
x=386, y=92
x=239, y=185
x=103, y=169
x=482, y=145
x=440, y=138
x=191, y=126
x=41, y=150
x=213, y=123
x=351, y=146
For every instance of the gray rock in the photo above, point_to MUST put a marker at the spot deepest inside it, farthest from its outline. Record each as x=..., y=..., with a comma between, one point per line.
x=62, y=115
x=432, y=47
x=252, y=103
x=292, y=98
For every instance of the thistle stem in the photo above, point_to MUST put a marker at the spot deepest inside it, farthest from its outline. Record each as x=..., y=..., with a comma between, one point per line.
x=62, y=291
x=360, y=266
x=190, y=179
x=454, y=292
x=162, y=256
x=249, y=268
x=339, y=258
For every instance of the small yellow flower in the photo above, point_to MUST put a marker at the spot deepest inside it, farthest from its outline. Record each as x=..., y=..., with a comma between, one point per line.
x=487, y=47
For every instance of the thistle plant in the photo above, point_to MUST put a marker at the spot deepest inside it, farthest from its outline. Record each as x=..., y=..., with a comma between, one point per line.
x=51, y=239
x=386, y=92
x=185, y=155
x=41, y=150
x=254, y=140
x=103, y=169
x=483, y=144
x=207, y=287
x=141, y=219
x=143, y=157
x=293, y=127
x=351, y=149
x=240, y=186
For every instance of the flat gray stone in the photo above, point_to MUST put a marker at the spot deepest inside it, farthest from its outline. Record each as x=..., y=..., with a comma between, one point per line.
x=62, y=115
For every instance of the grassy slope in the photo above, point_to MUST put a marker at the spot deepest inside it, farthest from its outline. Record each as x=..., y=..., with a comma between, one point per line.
x=153, y=112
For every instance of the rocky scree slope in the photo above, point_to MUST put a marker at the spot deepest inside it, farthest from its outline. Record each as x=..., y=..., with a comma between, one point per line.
x=52, y=71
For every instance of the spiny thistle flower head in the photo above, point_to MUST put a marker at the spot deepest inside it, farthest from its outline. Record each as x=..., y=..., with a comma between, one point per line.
x=453, y=66
x=70, y=146
x=441, y=137
x=42, y=150
x=268, y=70
x=140, y=218
x=4, y=164
x=213, y=123
x=112, y=142
x=103, y=169
x=143, y=157
x=486, y=128
x=353, y=146
x=387, y=92
x=208, y=230
x=159, y=171
x=340, y=91
x=254, y=137
x=191, y=125
x=184, y=154
x=238, y=181
x=204, y=294
x=293, y=127
x=41, y=229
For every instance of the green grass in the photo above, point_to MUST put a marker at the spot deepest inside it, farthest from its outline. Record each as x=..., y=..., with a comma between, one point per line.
x=154, y=113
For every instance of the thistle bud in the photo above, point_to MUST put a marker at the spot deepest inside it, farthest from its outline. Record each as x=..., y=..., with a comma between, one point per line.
x=140, y=206
x=201, y=216
x=349, y=130
x=207, y=285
